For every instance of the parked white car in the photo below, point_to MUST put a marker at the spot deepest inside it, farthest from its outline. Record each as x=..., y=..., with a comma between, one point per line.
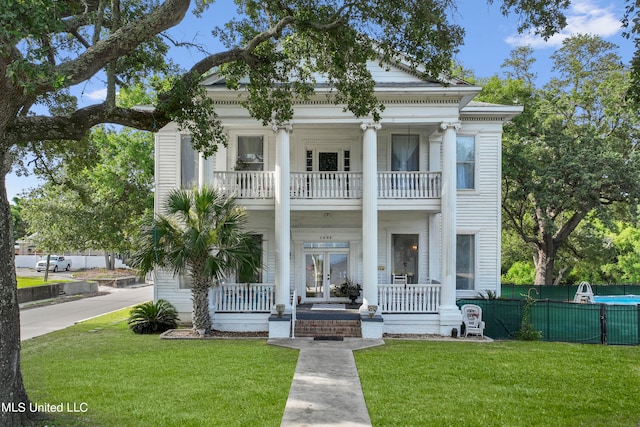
x=56, y=263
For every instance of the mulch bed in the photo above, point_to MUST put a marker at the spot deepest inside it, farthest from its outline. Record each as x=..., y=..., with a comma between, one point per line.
x=187, y=334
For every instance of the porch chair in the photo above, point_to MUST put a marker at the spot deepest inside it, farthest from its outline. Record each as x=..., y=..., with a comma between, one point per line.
x=472, y=320
x=399, y=279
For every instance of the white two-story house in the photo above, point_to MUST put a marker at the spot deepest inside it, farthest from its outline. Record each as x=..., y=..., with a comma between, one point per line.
x=408, y=207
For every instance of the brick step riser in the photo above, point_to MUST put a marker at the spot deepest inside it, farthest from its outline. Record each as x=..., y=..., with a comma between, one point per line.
x=327, y=328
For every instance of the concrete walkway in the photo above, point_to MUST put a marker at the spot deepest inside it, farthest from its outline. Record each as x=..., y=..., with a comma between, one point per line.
x=326, y=388
x=38, y=321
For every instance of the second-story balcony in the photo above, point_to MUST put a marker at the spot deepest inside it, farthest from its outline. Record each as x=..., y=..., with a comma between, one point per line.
x=329, y=185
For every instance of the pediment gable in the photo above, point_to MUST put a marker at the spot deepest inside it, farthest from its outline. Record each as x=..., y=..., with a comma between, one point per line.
x=389, y=75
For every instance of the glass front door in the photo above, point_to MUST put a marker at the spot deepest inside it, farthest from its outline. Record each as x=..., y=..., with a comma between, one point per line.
x=325, y=271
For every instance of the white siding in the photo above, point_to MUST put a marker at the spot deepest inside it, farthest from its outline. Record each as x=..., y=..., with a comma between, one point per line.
x=479, y=211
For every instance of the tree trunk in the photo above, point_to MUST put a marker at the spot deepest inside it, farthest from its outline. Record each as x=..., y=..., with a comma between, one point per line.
x=544, y=263
x=16, y=408
x=200, y=298
x=46, y=268
x=109, y=260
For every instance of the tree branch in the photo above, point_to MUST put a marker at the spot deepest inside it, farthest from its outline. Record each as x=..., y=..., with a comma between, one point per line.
x=235, y=54
x=76, y=125
x=119, y=43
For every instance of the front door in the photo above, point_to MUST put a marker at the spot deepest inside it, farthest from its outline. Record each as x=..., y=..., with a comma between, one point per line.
x=325, y=271
x=328, y=161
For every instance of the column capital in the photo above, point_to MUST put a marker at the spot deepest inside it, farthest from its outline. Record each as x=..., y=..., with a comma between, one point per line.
x=371, y=125
x=448, y=125
x=288, y=127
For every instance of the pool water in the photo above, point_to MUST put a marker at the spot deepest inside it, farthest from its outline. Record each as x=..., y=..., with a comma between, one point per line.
x=617, y=299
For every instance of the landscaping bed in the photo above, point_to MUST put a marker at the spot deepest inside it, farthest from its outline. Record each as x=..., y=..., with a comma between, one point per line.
x=184, y=334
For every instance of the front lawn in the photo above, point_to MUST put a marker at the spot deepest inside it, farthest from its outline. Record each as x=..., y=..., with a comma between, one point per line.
x=29, y=281
x=125, y=379
x=418, y=383
x=132, y=380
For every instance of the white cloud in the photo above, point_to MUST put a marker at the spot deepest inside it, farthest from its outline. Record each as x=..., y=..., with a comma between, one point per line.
x=97, y=95
x=583, y=17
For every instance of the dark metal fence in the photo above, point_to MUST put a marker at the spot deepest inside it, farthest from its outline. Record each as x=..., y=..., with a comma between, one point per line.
x=562, y=321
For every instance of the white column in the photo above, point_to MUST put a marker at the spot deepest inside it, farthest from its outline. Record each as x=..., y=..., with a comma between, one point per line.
x=450, y=316
x=283, y=216
x=201, y=170
x=369, y=215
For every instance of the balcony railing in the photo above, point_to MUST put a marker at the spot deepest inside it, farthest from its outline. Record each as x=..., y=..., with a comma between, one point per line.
x=245, y=184
x=409, y=298
x=326, y=185
x=329, y=185
x=409, y=185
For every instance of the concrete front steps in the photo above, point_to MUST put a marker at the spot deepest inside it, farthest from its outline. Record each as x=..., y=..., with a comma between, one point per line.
x=328, y=328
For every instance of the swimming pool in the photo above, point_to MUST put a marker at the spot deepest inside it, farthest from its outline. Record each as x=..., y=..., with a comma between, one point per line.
x=617, y=299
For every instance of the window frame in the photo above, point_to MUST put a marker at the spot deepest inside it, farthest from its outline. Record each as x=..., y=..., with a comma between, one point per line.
x=472, y=269
x=260, y=274
x=415, y=155
x=238, y=161
x=473, y=163
x=415, y=273
x=184, y=140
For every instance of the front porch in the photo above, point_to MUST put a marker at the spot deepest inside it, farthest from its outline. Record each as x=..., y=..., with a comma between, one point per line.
x=402, y=309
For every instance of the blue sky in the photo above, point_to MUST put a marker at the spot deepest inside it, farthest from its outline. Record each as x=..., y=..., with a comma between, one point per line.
x=489, y=39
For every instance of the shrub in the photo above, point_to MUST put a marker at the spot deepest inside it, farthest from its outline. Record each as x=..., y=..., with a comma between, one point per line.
x=527, y=330
x=153, y=318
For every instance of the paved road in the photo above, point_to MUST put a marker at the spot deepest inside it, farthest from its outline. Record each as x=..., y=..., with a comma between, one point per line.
x=42, y=320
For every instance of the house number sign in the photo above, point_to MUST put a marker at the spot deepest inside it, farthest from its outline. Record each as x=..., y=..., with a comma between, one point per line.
x=326, y=237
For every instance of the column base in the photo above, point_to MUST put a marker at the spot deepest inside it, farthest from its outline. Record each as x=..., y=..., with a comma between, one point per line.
x=372, y=327
x=280, y=327
x=450, y=317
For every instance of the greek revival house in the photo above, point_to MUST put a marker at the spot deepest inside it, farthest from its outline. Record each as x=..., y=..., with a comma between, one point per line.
x=408, y=207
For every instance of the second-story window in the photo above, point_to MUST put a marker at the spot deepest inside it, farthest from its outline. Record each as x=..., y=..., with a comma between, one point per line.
x=465, y=162
x=404, y=152
x=250, y=153
x=188, y=163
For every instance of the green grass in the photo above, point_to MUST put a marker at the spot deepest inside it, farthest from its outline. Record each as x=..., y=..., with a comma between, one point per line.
x=140, y=380
x=27, y=282
x=418, y=383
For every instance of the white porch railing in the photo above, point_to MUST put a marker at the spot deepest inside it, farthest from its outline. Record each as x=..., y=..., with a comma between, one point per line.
x=245, y=184
x=409, y=185
x=409, y=298
x=326, y=185
x=329, y=185
x=253, y=297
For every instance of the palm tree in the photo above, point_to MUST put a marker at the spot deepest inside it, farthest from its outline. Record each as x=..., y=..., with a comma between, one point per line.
x=201, y=235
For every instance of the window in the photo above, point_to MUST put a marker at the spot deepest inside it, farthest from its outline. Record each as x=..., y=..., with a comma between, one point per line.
x=405, y=256
x=404, y=152
x=188, y=163
x=250, y=153
x=465, y=261
x=184, y=281
x=466, y=162
x=247, y=276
